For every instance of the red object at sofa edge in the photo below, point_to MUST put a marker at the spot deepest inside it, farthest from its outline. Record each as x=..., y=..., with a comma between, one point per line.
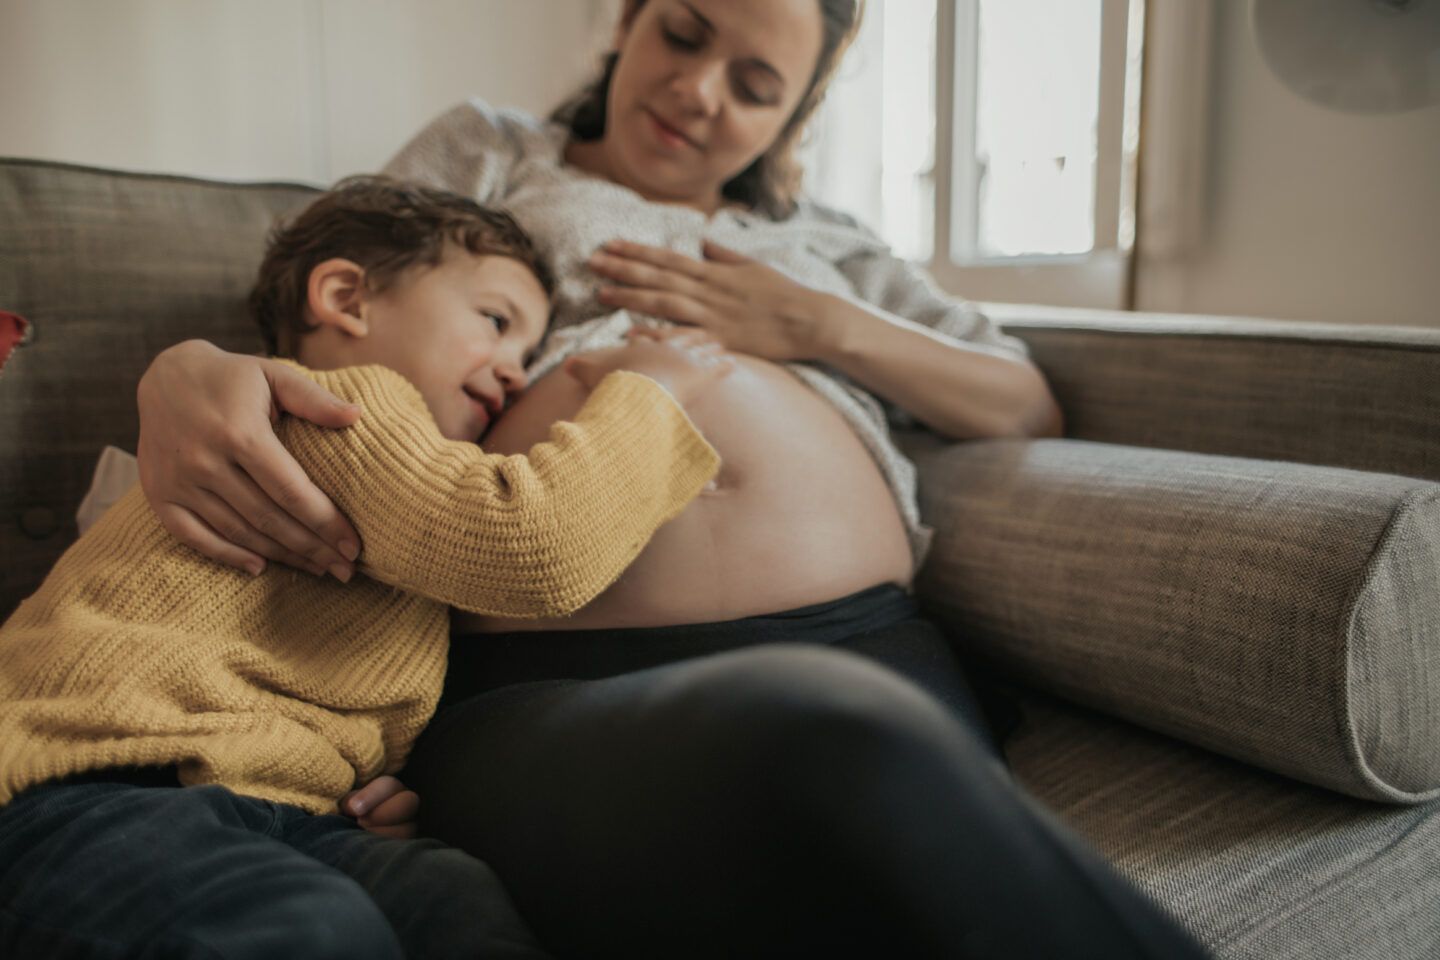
x=12, y=331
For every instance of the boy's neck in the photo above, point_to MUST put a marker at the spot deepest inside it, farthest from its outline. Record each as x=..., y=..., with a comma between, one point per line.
x=323, y=349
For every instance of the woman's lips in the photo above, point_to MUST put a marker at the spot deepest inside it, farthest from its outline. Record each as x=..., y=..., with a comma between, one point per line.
x=667, y=134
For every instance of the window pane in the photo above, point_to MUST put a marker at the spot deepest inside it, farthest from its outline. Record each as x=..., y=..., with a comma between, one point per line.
x=1038, y=89
x=872, y=152
x=907, y=158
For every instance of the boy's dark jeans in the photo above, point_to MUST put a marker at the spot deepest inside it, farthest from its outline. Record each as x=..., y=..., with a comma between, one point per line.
x=130, y=867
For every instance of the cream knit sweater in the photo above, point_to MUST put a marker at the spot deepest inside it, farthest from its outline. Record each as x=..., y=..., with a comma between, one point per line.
x=138, y=651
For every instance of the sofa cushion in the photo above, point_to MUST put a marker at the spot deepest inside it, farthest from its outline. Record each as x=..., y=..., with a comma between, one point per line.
x=1284, y=614
x=111, y=268
x=1257, y=866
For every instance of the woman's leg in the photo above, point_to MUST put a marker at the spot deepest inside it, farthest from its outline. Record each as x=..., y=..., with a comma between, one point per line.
x=775, y=801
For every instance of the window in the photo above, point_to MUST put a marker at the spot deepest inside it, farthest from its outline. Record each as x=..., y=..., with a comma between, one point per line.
x=994, y=141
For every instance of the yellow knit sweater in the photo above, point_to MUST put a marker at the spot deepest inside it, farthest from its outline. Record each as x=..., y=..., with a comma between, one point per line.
x=138, y=651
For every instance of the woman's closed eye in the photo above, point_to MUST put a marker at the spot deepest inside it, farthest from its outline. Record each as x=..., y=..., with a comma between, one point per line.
x=747, y=92
x=680, y=41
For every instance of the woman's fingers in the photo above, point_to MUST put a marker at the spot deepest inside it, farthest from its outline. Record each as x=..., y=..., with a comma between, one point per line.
x=293, y=511
x=660, y=257
x=260, y=520
x=206, y=415
x=190, y=530
x=220, y=517
x=299, y=396
x=713, y=251
x=636, y=273
x=656, y=303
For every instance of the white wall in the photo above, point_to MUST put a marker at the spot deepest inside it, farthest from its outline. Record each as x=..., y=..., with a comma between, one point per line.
x=270, y=89
x=1309, y=214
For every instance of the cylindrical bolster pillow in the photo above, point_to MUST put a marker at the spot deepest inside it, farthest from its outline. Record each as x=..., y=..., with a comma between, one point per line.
x=1283, y=614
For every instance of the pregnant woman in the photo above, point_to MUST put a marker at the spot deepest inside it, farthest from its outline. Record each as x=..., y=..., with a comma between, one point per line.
x=751, y=745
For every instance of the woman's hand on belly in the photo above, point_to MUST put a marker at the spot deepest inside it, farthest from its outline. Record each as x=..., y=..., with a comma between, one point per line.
x=749, y=306
x=799, y=514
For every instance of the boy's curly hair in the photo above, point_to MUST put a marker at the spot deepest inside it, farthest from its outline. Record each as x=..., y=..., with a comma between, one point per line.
x=386, y=226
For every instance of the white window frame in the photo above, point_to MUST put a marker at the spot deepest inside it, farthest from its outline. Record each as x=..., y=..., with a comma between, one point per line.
x=1100, y=278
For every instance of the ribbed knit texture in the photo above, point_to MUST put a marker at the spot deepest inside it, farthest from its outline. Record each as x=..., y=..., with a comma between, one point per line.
x=138, y=651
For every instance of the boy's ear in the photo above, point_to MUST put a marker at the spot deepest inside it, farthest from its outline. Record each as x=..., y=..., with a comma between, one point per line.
x=335, y=295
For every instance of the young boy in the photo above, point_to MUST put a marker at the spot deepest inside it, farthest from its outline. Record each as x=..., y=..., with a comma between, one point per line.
x=174, y=734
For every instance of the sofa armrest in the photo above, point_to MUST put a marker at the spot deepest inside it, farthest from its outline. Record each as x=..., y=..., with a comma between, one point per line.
x=1279, y=613
x=1360, y=397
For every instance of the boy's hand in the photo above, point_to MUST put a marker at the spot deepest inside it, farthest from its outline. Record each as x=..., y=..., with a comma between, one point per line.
x=685, y=361
x=383, y=806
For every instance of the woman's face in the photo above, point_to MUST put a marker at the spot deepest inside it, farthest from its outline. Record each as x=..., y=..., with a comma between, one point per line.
x=702, y=88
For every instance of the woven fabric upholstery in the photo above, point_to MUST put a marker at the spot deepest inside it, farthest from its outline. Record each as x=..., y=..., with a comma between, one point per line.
x=1283, y=614
x=1258, y=866
x=110, y=268
x=1365, y=397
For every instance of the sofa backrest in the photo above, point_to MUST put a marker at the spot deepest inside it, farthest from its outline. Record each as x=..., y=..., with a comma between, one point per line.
x=1362, y=396
x=110, y=268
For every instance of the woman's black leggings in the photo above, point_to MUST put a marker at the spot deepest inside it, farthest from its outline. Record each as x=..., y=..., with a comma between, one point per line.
x=824, y=786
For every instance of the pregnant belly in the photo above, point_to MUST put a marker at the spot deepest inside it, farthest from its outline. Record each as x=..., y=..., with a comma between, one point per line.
x=800, y=513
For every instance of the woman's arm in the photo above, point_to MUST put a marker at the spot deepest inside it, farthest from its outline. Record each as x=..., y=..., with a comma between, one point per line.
x=923, y=351
x=959, y=389
x=217, y=476
x=469, y=149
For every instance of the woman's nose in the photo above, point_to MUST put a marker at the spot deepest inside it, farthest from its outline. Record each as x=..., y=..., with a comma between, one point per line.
x=699, y=87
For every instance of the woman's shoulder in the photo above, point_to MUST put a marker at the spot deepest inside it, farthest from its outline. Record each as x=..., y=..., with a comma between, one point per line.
x=473, y=149
x=809, y=210
x=484, y=125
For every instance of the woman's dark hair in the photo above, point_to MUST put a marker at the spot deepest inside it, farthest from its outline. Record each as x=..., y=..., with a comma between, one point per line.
x=386, y=226
x=770, y=184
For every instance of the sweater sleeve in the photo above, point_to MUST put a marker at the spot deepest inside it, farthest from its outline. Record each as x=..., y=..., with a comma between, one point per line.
x=534, y=535
x=469, y=149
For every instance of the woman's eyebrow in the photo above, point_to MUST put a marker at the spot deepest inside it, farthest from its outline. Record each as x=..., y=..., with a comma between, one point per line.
x=704, y=21
x=754, y=61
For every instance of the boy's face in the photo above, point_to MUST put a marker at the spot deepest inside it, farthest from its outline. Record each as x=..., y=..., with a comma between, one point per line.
x=462, y=333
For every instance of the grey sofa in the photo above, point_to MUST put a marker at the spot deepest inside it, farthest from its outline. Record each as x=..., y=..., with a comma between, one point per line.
x=1217, y=600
